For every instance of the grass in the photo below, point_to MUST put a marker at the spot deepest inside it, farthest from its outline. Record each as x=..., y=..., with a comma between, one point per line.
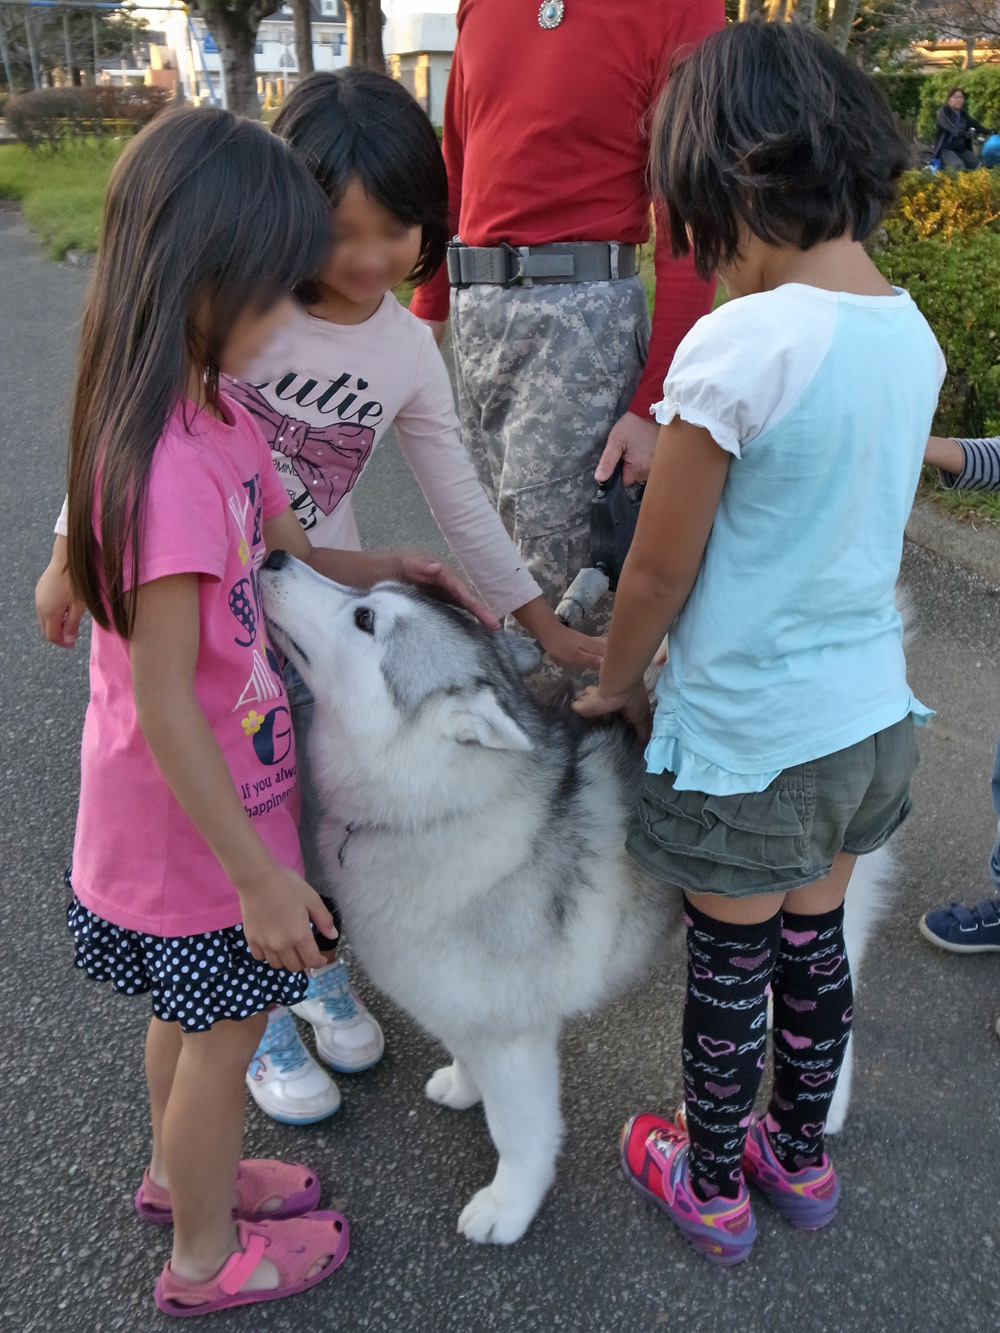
x=977, y=508
x=61, y=194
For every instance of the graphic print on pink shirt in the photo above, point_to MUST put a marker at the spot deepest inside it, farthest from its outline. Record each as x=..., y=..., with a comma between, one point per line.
x=139, y=861
x=327, y=460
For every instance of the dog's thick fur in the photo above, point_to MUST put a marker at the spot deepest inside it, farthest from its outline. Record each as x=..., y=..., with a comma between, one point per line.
x=474, y=840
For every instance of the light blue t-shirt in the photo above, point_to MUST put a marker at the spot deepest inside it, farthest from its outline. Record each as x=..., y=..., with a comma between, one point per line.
x=790, y=646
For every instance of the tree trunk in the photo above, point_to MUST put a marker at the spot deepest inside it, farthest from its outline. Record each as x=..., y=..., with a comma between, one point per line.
x=373, y=43
x=236, y=39
x=5, y=53
x=842, y=16
x=303, y=35
x=751, y=9
x=970, y=52
x=805, y=13
x=777, y=11
x=357, y=33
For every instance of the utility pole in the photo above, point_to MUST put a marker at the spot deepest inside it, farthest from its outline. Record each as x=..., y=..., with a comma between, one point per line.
x=69, y=45
x=36, y=76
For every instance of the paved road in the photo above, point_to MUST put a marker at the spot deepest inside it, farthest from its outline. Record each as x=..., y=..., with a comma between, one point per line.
x=915, y=1245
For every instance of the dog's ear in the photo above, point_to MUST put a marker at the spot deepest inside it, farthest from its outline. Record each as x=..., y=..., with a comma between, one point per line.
x=474, y=717
x=525, y=653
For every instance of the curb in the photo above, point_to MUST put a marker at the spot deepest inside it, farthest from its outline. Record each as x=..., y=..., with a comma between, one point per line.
x=975, y=549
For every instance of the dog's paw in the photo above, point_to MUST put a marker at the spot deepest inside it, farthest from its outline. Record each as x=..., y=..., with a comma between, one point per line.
x=452, y=1087
x=487, y=1217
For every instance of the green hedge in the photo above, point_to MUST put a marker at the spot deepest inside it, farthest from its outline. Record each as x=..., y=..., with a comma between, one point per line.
x=982, y=96
x=957, y=287
x=945, y=206
x=902, y=91
x=53, y=117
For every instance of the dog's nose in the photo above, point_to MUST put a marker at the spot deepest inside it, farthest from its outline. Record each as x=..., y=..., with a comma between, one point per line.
x=277, y=560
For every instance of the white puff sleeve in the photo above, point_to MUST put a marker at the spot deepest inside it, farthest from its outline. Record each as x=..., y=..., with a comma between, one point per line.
x=743, y=365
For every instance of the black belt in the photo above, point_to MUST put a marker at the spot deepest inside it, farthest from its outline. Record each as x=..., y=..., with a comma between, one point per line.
x=524, y=265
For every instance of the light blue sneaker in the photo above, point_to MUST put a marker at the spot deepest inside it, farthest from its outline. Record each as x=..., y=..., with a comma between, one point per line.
x=285, y=1081
x=348, y=1039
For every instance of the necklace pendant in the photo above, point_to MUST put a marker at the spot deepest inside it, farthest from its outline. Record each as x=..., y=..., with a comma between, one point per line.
x=551, y=13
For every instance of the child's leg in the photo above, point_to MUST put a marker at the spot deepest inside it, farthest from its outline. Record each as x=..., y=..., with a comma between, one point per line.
x=201, y=1137
x=163, y=1047
x=725, y=1030
x=812, y=1017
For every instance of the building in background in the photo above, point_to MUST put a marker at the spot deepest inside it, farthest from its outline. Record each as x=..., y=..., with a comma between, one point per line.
x=179, y=50
x=419, y=40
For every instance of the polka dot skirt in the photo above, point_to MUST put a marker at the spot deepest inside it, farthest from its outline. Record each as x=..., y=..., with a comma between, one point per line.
x=195, y=980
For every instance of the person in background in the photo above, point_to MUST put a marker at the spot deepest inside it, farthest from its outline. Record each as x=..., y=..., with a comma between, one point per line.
x=545, y=140
x=969, y=465
x=953, y=145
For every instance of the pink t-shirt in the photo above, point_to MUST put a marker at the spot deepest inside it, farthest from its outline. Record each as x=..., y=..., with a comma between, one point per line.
x=138, y=861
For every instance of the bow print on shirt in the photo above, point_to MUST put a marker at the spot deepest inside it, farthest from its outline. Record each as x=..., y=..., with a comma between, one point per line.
x=326, y=459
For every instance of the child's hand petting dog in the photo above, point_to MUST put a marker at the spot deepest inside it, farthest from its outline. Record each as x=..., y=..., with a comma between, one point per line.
x=58, y=610
x=416, y=567
x=634, y=706
x=571, y=649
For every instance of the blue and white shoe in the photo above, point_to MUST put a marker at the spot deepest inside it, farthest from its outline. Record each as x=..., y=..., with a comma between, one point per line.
x=348, y=1039
x=285, y=1081
x=964, y=929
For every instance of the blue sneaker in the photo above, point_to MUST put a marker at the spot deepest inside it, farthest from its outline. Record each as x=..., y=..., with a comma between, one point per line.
x=964, y=929
x=285, y=1081
x=348, y=1039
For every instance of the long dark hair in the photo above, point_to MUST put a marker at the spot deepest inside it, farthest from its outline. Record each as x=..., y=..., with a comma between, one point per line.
x=767, y=125
x=361, y=124
x=205, y=214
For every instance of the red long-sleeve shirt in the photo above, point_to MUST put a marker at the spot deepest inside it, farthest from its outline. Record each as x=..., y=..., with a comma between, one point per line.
x=546, y=139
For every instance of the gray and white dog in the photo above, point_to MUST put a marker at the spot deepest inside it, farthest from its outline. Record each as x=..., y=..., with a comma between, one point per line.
x=474, y=840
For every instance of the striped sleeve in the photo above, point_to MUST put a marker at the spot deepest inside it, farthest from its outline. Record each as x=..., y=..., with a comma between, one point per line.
x=981, y=470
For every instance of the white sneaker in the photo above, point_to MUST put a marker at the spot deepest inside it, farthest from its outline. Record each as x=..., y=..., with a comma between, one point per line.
x=285, y=1081
x=347, y=1037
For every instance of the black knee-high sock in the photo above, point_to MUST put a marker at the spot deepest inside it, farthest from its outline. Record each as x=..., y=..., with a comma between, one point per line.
x=725, y=1042
x=813, y=1003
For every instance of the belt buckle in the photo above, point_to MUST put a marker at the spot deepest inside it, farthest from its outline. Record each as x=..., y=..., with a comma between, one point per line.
x=515, y=278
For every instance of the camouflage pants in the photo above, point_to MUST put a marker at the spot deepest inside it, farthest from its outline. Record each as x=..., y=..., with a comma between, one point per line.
x=543, y=374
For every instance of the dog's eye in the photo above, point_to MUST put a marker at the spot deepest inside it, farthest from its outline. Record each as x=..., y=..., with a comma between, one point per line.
x=364, y=619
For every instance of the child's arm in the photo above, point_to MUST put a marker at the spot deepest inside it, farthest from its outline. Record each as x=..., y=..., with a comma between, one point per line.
x=277, y=904
x=675, y=520
x=965, y=465
x=566, y=646
x=361, y=569
x=58, y=610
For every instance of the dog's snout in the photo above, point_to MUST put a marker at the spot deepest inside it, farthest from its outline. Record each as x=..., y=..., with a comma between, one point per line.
x=277, y=560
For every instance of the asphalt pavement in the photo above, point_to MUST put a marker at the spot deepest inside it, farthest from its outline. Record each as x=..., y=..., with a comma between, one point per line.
x=915, y=1244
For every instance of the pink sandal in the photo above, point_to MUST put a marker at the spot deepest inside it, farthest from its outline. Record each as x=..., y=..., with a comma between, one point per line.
x=293, y=1246
x=257, y=1180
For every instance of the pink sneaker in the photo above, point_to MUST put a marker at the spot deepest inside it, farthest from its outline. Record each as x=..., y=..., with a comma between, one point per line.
x=807, y=1198
x=723, y=1230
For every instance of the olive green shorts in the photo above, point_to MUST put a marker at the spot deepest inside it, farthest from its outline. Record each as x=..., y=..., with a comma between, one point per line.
x=785, y=836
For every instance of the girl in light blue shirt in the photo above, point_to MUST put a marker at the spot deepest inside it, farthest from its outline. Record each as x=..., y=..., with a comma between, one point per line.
x=792, y=428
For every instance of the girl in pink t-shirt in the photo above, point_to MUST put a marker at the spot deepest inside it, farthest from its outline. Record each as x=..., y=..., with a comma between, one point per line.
x=186, y=863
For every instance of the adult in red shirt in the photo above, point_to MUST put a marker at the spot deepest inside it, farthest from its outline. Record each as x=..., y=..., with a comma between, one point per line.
x=545, y=140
